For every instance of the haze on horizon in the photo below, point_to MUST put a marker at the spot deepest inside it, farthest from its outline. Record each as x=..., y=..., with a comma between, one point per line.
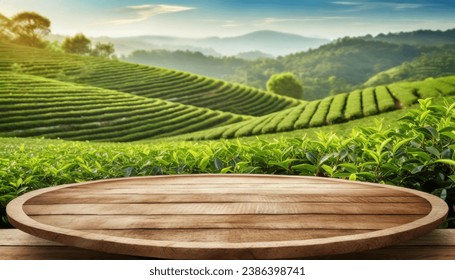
x=200, y=18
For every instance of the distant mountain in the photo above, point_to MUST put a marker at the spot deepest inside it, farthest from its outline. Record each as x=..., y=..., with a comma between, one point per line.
x=272, y=42
x=252, y=55
x=269, y=42
x=419, y=37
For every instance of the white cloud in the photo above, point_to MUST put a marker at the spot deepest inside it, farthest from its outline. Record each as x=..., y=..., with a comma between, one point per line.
x=376, y=5
x=223, y=23
x=404, y=6
x=144, y=12
x=231, y=23
x=347, y=3
x=279, y=20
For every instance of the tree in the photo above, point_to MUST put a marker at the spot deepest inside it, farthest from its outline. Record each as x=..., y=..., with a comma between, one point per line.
x=79, y=44
x=5, y=32
x=337, y=85
x=104, y=50
x=285, y=84
x=30, y=28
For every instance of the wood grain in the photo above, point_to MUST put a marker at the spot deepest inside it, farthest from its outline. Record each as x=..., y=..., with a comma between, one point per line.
x=227, y=216
x=17, y=245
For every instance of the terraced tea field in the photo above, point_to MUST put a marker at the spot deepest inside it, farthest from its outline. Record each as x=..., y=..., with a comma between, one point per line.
x=56, y=95
x=340, y=108
x=34, y=106
x=145, y=81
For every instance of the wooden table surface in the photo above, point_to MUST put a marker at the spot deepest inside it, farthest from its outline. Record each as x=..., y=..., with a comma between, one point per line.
x=227, y=216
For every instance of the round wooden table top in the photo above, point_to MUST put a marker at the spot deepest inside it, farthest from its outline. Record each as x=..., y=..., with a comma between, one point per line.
x=227, y=216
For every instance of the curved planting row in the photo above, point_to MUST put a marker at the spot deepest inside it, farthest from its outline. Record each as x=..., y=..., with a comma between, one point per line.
x=142, y=80
x=34, y=106
x=340, y=108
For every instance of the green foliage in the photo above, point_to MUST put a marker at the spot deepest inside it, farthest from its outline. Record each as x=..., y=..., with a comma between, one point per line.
x=344, y=107
x=307, y=114
x=5, y=32
x=330, y=69
x=79, y=44
x=292, y=115
x=419, y=154
x=285, y=84
x=105, y=50
x=405, y=96
x=32, y=106
x=336, y=108
x=354, y=105
x=30, y=28
x=319, y=117
x=144, y=81
x=384, y=99
x=369, y=102
x=351, y=61
x=418, y=37
x=194, y=62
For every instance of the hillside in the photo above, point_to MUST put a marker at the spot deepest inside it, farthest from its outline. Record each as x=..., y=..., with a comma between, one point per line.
x=34, y=106
x=340, y=108
x=336, y=67
x=438, y=63
x=152, y=82
x=340, y=66
x=418, y=37
x=194, y=62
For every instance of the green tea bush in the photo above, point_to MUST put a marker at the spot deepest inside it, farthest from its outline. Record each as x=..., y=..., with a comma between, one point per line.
x=336, y=108
x=354, y=105
x=384, y=99
x=319, y=117
x=369, y=102
x=293, y=115
x=306, y=115
x=405, y=96
x=418, y=154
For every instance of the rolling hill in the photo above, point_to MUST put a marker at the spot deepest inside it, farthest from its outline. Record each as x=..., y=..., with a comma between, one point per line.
x=418, y=37
x=56, y=95
x=145, y=81
x=438, y=63
x=337, y=67
x=35, y=106
x=339, y=108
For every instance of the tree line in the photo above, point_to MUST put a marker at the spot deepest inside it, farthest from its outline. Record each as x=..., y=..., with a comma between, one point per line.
x=31, y=29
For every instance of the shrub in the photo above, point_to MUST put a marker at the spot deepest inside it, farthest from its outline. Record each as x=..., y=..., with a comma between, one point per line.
x=319, y=117
x=354, y=105
x=285, y=84
x=336, y=108
x=369, y=102
x=384, y=99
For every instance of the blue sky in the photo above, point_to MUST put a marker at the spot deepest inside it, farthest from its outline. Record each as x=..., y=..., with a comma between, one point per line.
x=202, y=18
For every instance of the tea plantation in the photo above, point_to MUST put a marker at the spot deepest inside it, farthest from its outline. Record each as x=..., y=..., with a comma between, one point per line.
x=340, y=108
x=48, y=94
x=146, y=81
x=418, y=153
x=34, y=106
